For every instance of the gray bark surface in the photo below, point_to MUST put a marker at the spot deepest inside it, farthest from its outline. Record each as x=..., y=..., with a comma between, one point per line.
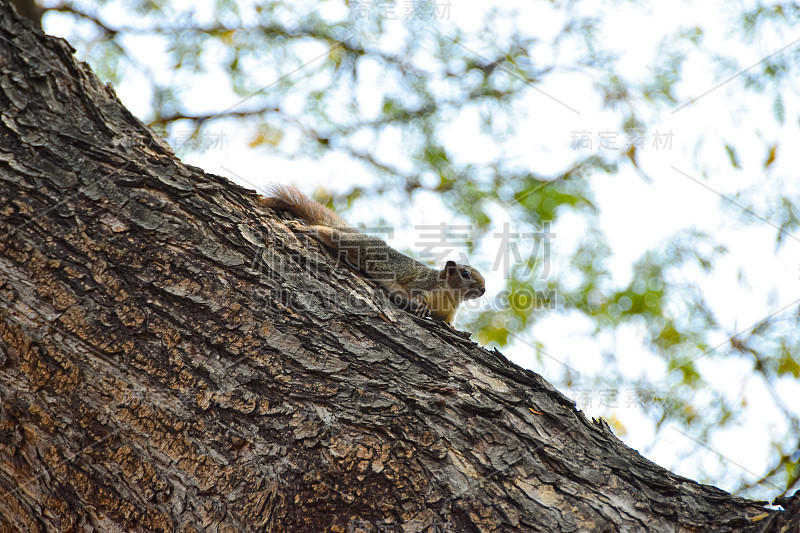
x=174, y=358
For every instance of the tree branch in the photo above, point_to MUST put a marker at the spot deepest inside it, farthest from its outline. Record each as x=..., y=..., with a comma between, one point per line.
x=176, y=358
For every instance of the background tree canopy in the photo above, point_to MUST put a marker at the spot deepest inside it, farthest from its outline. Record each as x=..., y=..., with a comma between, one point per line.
x=623, y=173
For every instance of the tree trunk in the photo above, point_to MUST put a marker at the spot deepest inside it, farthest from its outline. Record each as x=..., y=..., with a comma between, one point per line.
x=173, y=358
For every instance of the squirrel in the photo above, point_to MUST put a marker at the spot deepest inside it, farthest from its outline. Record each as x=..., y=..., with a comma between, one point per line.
x=431, y=292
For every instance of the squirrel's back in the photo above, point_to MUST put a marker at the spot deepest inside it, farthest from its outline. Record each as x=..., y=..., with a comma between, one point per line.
x=289, y=198
x=366, y=252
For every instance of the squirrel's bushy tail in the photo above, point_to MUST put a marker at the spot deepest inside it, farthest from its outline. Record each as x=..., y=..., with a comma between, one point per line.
x=289, y=198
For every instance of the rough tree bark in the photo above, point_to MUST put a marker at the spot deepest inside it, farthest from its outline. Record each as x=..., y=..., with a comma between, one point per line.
x=173, y=358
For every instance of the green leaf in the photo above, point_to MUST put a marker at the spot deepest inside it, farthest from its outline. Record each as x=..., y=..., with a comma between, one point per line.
x=788, y=365
x=778, y=110
x=732, y=156
x=770, y=155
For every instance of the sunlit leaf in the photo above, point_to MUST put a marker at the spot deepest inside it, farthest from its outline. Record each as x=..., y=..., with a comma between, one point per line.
x=734, y=159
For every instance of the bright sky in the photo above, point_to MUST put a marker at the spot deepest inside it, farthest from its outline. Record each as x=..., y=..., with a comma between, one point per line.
x=679, y=196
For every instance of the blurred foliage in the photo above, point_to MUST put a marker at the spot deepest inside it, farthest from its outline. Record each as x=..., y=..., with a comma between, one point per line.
x=297, y=73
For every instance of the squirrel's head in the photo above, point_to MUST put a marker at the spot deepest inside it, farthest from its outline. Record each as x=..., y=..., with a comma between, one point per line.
x=465, y=280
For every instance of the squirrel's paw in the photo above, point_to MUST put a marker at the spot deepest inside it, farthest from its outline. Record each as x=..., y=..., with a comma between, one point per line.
x=296, y=226
x=420, y=309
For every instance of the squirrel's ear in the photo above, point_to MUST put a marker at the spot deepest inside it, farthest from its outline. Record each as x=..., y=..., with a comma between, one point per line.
x=450, y=268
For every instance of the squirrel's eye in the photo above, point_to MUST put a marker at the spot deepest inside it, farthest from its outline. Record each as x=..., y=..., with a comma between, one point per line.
x=465, y=274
